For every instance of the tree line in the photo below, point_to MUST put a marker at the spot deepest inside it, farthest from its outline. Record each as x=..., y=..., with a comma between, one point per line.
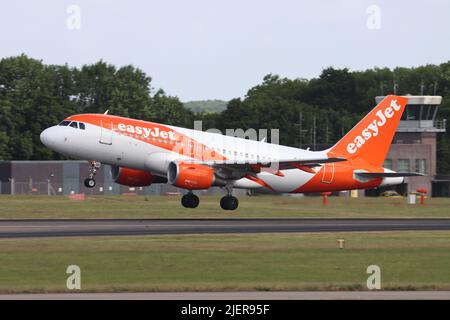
x=34, y=95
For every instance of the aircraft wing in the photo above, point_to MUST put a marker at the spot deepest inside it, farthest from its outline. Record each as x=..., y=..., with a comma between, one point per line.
x=311, y=161
x=269, y=166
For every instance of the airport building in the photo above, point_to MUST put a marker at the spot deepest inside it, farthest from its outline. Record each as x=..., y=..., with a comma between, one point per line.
x=413, y=148
x=56, y=178
x=67, y=177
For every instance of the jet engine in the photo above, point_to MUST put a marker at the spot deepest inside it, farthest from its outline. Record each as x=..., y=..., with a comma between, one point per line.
x=134, y=178
x=190, y=176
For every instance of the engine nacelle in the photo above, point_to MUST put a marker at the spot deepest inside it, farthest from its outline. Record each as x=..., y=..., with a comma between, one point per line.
x=134, y=178
x=190, y=176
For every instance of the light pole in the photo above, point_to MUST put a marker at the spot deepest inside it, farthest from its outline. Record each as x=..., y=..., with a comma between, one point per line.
x=49, y=186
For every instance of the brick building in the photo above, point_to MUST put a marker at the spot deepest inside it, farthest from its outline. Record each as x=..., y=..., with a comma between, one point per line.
x=413, y=148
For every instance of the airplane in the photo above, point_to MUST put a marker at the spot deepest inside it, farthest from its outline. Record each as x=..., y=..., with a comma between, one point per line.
x=141, y=153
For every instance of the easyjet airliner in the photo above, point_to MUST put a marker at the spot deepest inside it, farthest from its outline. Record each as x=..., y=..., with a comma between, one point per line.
x=141, y=153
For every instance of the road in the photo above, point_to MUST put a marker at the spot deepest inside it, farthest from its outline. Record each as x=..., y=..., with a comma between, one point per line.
x=116, y=227
x=243, y=295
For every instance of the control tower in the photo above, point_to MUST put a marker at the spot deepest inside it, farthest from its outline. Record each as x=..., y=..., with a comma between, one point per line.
x=413, y=148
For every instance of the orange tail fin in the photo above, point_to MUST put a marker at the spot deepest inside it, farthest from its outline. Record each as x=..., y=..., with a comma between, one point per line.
x=371, y=138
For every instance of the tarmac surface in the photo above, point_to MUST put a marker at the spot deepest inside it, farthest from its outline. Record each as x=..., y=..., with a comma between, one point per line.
x=242, y=295
x=131, y=227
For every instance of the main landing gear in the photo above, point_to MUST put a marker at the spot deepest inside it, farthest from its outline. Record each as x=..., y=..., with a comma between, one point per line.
x=190, y=200
x=228, y=202
x=90, y=181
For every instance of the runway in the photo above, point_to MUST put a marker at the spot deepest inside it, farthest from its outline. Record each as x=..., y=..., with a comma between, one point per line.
x=241, y=295
x=133, y=227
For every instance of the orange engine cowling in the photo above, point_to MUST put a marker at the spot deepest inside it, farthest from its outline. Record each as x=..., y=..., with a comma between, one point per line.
x=190, y=176
x=132, y=177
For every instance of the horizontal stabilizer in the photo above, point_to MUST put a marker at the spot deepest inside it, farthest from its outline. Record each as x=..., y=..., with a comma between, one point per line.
x=388, y=174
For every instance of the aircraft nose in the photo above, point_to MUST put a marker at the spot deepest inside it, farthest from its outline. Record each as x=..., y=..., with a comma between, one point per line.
x=47, y=137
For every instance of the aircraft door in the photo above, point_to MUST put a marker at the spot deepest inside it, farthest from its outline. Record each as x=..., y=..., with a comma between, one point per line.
x=328, y=173
x=106, y=132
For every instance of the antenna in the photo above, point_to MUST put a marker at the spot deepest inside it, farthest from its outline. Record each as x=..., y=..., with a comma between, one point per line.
x=314, y=133
x=300, y=120
x=395, y=83
x=300, y=129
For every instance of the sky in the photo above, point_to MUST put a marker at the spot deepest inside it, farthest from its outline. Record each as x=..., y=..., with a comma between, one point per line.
x=217, y=49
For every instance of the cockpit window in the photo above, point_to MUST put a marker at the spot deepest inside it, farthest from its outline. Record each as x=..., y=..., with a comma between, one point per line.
x=64, y=123
x=74, y=124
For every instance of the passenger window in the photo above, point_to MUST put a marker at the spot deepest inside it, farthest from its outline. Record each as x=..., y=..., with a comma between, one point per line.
x=82, y=126
x=64, y=123
x=73, y=124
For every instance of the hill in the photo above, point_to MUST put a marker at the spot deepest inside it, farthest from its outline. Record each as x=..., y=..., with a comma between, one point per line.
x=207, y=106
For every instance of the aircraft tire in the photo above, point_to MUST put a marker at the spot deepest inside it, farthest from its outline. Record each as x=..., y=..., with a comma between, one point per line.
x=89, y=183
x=229, y=203
x=190, y=200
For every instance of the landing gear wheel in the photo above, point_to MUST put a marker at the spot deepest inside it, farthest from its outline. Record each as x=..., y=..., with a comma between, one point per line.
x=93, y=166
x=190, y=200
x=89, y=183
x=229, y=203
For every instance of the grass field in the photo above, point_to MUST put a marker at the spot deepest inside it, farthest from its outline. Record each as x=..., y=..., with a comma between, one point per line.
x=20, y=207
x=408, y=260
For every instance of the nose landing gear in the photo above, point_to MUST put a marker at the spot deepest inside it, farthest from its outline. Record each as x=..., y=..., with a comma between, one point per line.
x=190, y=200
x=90, y=181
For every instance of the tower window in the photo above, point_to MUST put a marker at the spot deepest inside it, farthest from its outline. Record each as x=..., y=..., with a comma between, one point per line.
x=421, y=166
x=403, y=165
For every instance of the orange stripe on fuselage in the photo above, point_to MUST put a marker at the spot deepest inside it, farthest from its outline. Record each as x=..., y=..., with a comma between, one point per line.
x=342, y=178
x=259, y=181
x=151, y=133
